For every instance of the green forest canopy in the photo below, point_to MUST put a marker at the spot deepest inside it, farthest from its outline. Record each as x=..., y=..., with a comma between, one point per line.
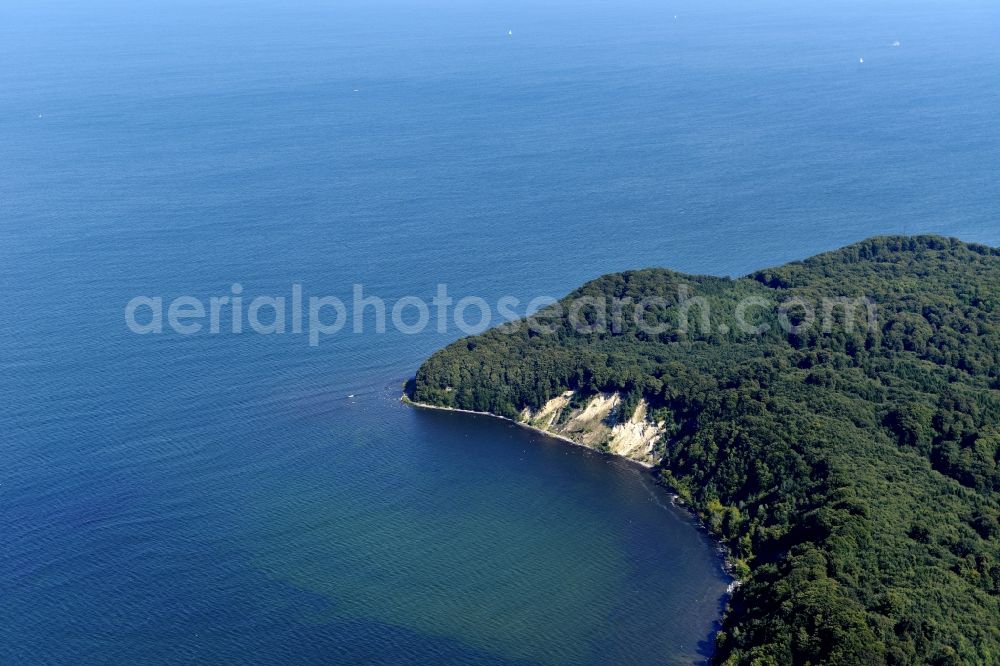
x=852, y=472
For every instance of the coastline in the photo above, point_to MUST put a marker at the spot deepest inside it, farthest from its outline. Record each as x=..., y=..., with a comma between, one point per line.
x=424, y=405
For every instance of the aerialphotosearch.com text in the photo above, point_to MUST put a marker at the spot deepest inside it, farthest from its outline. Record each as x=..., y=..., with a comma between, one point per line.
x=317, y=317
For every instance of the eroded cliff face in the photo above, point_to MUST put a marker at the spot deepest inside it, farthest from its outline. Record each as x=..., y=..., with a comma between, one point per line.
x=599, y=424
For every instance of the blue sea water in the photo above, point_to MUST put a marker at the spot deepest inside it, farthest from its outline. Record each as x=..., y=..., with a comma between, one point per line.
x=217, y=498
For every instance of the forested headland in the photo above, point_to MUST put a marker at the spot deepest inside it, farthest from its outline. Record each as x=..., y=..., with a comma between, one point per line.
x=846, y=456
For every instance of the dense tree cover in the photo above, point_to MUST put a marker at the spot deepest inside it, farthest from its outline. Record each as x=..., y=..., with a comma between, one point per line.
x=852, y=471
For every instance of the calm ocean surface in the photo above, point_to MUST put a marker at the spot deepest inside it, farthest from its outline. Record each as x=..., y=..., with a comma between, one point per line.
x=211, y=498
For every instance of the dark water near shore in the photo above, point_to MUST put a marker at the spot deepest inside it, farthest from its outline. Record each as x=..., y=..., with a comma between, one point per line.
x=211, y=498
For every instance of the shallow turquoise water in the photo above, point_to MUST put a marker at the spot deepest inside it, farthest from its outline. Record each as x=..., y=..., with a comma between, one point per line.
x=208, y=498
